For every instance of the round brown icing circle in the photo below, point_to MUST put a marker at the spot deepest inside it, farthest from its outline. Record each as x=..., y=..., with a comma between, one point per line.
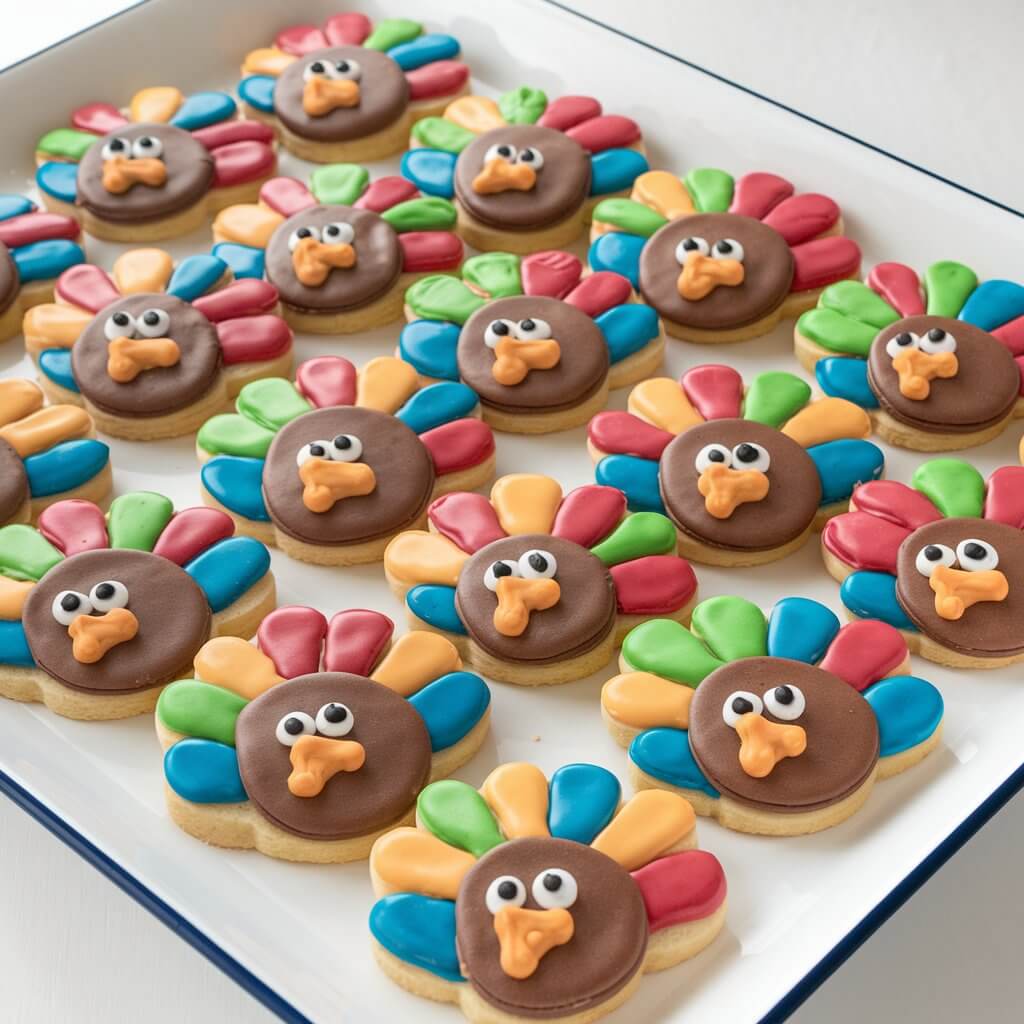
x=983, y=392
x=562, y=185
x=163, y=389
x=189, y=177
x=383, y=97
x=10, y=279
x=988, y=629
x=794, y=491
x=767, y=268
x=391, y=731
x=609, y=937
x=165, y=644
x=377, y=268
x=579, y=373
x=14, y=489
x=402, y=466
x=583, y=617
x=841, y=728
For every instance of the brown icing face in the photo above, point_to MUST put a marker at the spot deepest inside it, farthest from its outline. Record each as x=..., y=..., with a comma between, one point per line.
x=581, y=616
x=148, y=321
x=700, y=255
x=519, y=340
x=129, y=162
x=161, y=649
x=401, y=469
x=10, y=280
x=732, y=456
x=14, y=490
x=522, y=177
x=340, y=94
x=988, y=627
x=609, y=926
x=942, y=375
x=838, y=750
x=320, y=244
x=358, y=768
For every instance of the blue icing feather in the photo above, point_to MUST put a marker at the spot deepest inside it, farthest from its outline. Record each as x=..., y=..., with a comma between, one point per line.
x=872, y=595
x=244, y=260
x=237, y=483
x=846, y=378
x=637, y=478
x=908, y=710
x=202, y=109
x=59, y=180
x=424, y=50
x=627, y=328
x=56, y=365
x=994, y=303
x=617, y=252
x=434, y=603
x=39, y=261
x=431, y=346
x=801, y=629
x=14, y=206
x=437, y=404
x=258, y=92
x=665, y=754
x=419, y=930
x=204, y=772
x=582, y=800
x=65, y=466
x=14, y=645
x=844, y=464
x=227, y=570
x=615, y=170
x=431, y=170
x=195, y=276
x=451, y=706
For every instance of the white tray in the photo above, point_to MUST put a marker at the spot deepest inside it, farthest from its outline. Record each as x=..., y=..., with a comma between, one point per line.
x=296, y=936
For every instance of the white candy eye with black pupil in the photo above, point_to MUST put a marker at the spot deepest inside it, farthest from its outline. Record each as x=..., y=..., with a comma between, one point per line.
x=337, y=233
x=147, y=146
x=349, y=69
x=976, y=556
x=153, y=323
x=345, y=448
x=499, y=570
x=785, y=702
x=902, y=342
x=931, y=556
x=313, y=450
x=318, y=69
x=108, y=595
x=68, y=605
x=501, y=151
x=300, y=233
x=334, y=720
x=532, y=157
x=293, y=727
x=738, y=704
x=691, y=245
x=936, y=341
x=727, y=249
x=116, y=147
x=712, y=455
x=497, y=331
x=751, y=456
x=119, y=325
x=555, y=889
x=531, y=328
x=505, y=891
x=537, y=565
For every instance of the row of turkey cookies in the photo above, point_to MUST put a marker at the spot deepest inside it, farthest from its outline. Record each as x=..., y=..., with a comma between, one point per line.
x=529, y=585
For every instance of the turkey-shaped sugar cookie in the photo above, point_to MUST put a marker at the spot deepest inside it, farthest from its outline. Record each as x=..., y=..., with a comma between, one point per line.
x=541, y=900
x=723, y=259
x=311, y=744
x=99, y=612
x=537, y=588
x=156, y=169
x=941, y=559
x=745, y=474
x=777, y=725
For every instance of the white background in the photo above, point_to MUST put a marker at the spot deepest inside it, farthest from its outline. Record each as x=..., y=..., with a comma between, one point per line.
x=932, y=82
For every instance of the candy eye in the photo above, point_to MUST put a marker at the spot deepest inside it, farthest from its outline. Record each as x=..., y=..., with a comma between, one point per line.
x=318, y=69
x=505, y=891
x=712, y=455
x=338, y=232
x=531, y=156
x=727, y=249
x=68, y=605
x=501, y=151
x=497, y=330
x=902, y=342
x=119, y=325
x=738, y=704
x=691, y=245
x=313, y=450
x=555, y=888
x=345, y=448
x=334, y=720
x=937, y=340
x=531, y=328
x=116, y=146
x=499, y=570
x=300, y=233
x=976, y=556
x=293, y=726
x=108, y=595
x=537, y=565
x=153, y=323
x=349, y=69
x=147, y=145
x=785, y=702
x=751, y=456
x=931, y=556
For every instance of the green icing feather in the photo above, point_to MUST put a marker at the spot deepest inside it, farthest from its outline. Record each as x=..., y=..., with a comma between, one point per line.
x=523, y=105
x=629, y=216
x=339, y=184
x=271, y=403
x=231, y=434
x=953, y=486
x=710, y=189
x=836, y=332
x=494, y=274
x=948, y=285
x=66, y=144
x=638, y=535
x=857, y=300
x=428, y=213
x=25, y=554
x=774, y=397
x=440, y=297
x=199, y=709
x=440, y=133
x=457, y=815
x=136, y=520
x=668, y=649
x=392, y=32
x=731, y=627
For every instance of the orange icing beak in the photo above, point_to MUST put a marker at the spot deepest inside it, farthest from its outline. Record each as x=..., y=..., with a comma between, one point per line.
x=763, y=744
x=313, y=260
x=93, y=636
x=918, y=369
x=317, y=759
x=702, y=274
x=327, y=483
x=517, y=598
x=499, y=175
x=526, y=936
x=322, y=95
x=515, y=359
x=128, y=357
x=956, y=590
x=120, y=173
x=725, y=489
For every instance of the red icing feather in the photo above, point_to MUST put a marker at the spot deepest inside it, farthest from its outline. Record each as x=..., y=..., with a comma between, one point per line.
x=552, y=273
x=239, y=162
x=1019, y=360
x=895, y=502
x=466, y=519
x=300, y=40
x=684, y=886
x=898, y=284
x=242, y=298
x=610, y=131
x=863, y=652
x=327, y=381
x=589, y=513
x=459, y=445
x=74, y=525
x=824, y=261
x=801, y=218
x=653, y=585
x=225, y=132
x=864, y=541
x=384, y=193
x=430, y=250
x=252, y=339
x=191, y=531
x=286, y=196
x=1004, y=500
x=567, y=111
x=1012, y=335
x=715, y=391
x=599, y=291
x=356, y=639
x=98, y=118
x=622, y=433
x=442, y=78
x=87, y=287
x=292, y=637
x=37, y=227
x=347, y=29
x=757, y=194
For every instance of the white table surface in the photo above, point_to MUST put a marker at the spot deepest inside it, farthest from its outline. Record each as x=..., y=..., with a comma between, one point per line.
x=931, y=82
